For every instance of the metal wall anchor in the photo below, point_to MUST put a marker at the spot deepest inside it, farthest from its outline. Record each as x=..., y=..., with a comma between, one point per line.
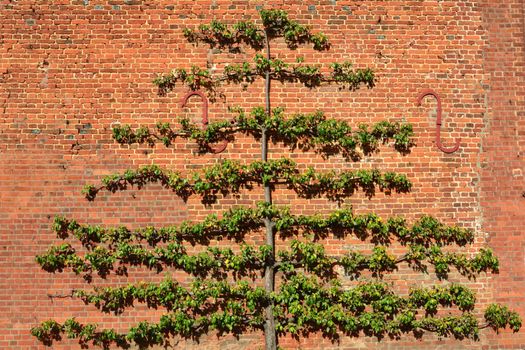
x=221, y=146
x=430, y=92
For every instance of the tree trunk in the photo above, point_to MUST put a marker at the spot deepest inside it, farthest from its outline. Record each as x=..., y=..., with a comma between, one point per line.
x=270, y=337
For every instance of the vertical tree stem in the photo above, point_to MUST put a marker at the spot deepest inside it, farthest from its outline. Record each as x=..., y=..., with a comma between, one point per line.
x=270, y=336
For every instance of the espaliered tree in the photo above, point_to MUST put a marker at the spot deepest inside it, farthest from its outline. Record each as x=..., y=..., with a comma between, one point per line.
x=309, y=297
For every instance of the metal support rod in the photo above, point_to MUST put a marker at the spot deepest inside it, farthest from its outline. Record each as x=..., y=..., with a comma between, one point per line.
x=220, y=147
x=429, y=92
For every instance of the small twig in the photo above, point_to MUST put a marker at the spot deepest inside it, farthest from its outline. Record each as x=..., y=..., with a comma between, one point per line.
x=61, y=296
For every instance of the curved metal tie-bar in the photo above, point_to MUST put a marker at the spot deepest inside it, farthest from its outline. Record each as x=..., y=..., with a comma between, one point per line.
x=430, y=92
x=220, y=147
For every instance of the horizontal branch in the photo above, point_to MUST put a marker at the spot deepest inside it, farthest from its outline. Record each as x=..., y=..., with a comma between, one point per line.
x=201, y=298
x=233, y=224
x=275, y=22
x=217, y=262
x=310, y=76
x=304, y=131
x=426, y=231
x=221, y=35
x=214, y=262
x=342, y=74
x=231, y=176
x=312, y=258
x=232, y=319
x=236, y=222
x=204, y=297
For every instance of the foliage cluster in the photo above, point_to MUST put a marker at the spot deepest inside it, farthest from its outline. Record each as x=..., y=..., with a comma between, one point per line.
x=304, y=131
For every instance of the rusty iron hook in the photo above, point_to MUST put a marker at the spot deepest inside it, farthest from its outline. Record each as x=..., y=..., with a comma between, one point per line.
x=219, y=148
x=430, y=92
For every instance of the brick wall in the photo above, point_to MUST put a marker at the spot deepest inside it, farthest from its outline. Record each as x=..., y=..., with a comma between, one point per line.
x=502, y=158
x=69, y=70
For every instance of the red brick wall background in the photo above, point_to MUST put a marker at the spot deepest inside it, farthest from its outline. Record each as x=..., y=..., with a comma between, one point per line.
x=70, y=69
x=502, y=162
